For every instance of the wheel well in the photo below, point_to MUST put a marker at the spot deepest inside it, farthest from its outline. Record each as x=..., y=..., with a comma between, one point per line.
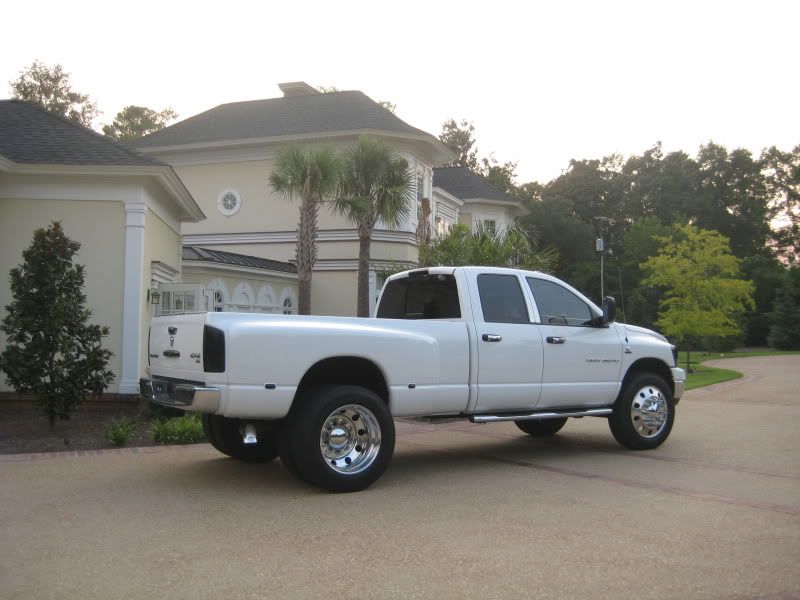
x=345, y=370
x=649, y=365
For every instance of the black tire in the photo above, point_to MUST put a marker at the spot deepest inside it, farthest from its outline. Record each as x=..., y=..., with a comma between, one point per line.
x=360, y=438
x=541, y=427
x=210, y=435
x=285, y=451
x=225, y=434
x=639, y=426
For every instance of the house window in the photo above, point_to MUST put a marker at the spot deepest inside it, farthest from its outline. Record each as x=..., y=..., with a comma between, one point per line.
x=229, y=203
x=219, y=301
x=490, y=225
x=287, y=306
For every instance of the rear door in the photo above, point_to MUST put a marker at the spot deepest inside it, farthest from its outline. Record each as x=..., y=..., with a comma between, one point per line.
x=510, y=353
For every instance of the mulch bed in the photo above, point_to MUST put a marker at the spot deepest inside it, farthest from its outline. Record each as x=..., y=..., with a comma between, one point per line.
x=23, y=429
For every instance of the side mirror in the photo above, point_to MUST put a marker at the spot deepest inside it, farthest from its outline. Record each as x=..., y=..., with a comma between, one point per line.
x=609, y=310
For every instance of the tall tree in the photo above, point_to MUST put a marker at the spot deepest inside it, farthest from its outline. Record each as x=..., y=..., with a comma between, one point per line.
x=458, y=136
x=782, y=172
x=703, y=293
x=52, y=350
x=133, y=122
x=375, y=185
x=311, y=175
x=732, y=198
x=784, y=332
x=50, y=88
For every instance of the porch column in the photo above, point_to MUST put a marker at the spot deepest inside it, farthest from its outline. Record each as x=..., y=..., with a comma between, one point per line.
x=133, y=298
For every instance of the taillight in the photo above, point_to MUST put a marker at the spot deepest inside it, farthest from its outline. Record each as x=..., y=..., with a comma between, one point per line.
x=213, y=350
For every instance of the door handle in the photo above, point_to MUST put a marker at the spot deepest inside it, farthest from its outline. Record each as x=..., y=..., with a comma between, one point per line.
x=492, y=337
x=556, y=340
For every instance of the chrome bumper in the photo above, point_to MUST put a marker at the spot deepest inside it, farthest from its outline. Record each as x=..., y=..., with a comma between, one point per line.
x=180, y=394
x=679, y=377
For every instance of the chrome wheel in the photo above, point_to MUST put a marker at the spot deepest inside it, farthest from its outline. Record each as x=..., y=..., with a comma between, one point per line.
x=350, y=439
x=649, y=411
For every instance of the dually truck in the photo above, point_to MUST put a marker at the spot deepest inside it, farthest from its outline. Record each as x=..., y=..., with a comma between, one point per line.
x=479, y=343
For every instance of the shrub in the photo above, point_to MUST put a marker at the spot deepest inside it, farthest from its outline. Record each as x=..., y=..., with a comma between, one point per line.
x=179, y=430
x=52, y=350
x=118, y=432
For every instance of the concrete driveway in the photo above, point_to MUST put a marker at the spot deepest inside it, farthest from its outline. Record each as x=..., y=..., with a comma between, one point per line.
x=465, y=511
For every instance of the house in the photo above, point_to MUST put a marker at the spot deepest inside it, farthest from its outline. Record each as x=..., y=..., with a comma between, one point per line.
x=185, y=219
x=225, y=156
x=461, y=196
x=126, y=210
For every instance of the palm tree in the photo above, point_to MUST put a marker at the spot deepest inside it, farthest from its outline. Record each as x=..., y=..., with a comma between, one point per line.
x=312, y=174
x=375, y=184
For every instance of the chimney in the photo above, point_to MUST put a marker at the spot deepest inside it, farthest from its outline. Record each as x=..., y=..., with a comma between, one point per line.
x=297, y=88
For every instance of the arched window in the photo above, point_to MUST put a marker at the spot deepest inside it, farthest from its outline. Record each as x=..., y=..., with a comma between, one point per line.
x=243, y=297
x=265, y=302
x=216, y=293
x=287, y=306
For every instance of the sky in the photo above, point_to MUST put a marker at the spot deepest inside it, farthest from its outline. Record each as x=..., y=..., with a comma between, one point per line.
x=543, y=82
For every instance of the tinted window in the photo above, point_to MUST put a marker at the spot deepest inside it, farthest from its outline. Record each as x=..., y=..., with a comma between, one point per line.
x=420, y=297
x=501, y=299
x=557, y=305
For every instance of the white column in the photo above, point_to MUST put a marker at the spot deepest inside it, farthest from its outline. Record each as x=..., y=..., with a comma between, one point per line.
x=133, y=298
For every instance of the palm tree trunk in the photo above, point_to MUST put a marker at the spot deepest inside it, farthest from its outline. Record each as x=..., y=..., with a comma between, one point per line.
x=364, y=234
x=306, y=252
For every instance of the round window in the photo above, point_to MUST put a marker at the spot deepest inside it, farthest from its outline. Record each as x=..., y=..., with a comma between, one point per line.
x=229, y=203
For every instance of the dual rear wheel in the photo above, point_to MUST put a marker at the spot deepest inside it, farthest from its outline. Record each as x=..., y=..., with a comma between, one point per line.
x=340, y=438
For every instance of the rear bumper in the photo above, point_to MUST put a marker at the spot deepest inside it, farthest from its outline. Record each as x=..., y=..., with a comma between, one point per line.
x=181, y=394
x=679, y=378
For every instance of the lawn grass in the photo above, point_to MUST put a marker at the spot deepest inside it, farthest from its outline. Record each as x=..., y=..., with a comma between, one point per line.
x=704, y=375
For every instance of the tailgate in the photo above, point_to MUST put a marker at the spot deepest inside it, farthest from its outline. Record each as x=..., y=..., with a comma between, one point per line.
x=176, y=342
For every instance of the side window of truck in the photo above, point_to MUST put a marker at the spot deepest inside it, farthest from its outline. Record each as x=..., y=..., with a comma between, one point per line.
x=557, y=305
x=420, y=297
x=501, y=299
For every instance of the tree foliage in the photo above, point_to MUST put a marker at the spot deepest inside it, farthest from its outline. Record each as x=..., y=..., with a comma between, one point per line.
x=311, y=174
x=133, y=122
x=50, y=88
x=703, y=294
x=52, y=350
x=507, y=248
x=375, y=184
x=784, y=332
x=782, y=171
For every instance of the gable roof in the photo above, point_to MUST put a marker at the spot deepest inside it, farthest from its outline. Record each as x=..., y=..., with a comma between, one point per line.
x=31, y=135
x=275, y=117
x=220, y=257
x=466, y=185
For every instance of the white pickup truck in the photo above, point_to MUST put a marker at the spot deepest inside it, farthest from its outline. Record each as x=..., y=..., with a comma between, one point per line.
x=485, y=344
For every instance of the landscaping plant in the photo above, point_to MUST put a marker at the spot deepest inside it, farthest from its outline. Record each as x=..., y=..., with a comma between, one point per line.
x=118, y=432
x=187, y=429
x=52, y=350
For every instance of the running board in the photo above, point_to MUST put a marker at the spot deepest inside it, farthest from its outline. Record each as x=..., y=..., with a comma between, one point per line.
x=589, y=412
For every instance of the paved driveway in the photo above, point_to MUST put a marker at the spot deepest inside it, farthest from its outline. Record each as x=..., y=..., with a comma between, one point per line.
x=465, y=511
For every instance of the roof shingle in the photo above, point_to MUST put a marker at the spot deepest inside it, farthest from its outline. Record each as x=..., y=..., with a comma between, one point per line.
x=273, y=117
x=30, y=134
x=464, y=184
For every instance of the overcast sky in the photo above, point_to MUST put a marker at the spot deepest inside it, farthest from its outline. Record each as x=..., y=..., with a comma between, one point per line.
x=542, y=82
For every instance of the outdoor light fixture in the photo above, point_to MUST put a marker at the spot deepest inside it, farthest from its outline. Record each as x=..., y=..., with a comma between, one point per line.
x=153, y=296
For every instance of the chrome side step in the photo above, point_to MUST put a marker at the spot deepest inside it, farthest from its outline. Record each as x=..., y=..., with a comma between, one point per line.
x=589, y=412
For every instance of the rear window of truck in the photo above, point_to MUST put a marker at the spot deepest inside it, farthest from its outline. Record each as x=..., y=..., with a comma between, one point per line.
x=420, y=297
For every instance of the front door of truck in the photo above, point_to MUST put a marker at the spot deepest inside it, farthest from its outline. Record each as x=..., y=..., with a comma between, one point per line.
x=509, y=347
x=581, y=360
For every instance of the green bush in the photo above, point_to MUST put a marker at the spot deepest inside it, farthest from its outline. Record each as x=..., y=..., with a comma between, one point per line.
x=179, y=430
x=118, y=432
